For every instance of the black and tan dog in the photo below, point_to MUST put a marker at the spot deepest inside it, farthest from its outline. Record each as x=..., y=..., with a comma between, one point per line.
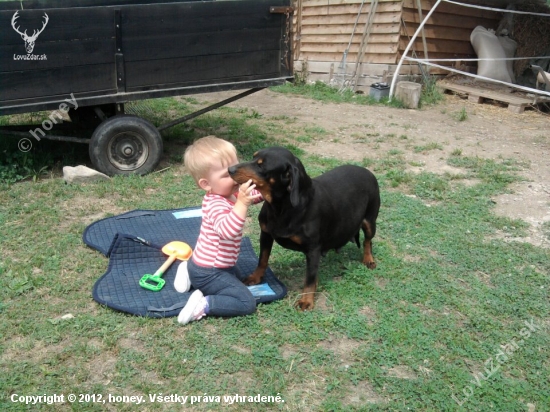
x=312, y=216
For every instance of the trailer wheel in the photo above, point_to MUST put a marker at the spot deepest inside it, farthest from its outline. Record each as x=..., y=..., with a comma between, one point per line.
x=125, y=144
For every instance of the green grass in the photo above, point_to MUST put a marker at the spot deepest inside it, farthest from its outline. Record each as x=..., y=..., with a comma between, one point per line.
x=431, y=95
x=428, y=147
x=328, y=94
x=408, y=335
x=322, y=91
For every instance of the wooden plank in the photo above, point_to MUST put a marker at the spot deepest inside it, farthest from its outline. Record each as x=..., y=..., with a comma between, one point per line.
x=331, y=9
x=63, y=25
x=339, y=48
x=386, y=58
x=372, y=58
x=321, y=29
x=475, y=98
x=439, y=32
x=343, y=19
x=345, y=38
x=481, y=92
x=440, y=45
x=324, y=67
x=433, y=55
x=197, y=69
x=58, y=54
x=445, y=20
x=152, y=47
x=199, y=17
x=37, y=83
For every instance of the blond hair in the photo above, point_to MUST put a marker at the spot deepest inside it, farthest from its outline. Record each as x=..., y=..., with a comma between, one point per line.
x=204, y=152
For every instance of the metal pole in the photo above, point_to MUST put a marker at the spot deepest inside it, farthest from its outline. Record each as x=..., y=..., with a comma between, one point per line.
x=394, y=79
x=419, y=5
x=208, y=109
x=364, y=42
x=47, y=137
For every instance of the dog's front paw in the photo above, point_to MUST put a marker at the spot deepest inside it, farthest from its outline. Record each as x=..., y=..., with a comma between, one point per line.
x=305, y=303
x=252, y=280
x=371, y=264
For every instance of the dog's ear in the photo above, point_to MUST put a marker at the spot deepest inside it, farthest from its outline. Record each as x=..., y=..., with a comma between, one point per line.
x=294, y=185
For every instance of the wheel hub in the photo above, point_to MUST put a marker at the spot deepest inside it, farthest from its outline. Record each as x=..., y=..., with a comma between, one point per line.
x=128, y=151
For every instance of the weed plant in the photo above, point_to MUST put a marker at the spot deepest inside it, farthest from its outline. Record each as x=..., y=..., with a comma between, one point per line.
x=431, y=94
x=462, y=115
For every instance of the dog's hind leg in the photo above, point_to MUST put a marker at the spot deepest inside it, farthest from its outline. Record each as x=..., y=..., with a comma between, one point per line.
x=369, y=229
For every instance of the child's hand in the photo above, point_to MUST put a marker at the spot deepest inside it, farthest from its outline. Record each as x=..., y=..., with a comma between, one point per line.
x=245, y=196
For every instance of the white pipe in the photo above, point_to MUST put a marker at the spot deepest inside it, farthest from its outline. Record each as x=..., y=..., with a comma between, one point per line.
x=394, y=79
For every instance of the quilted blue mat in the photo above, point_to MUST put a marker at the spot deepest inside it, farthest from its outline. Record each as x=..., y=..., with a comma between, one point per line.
x=133, y=243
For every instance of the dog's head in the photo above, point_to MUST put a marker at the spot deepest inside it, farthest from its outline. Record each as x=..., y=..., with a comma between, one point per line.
x=277, y=174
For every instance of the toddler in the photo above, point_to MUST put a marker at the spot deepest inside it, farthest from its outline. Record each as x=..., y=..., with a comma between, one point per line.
x=224, y=207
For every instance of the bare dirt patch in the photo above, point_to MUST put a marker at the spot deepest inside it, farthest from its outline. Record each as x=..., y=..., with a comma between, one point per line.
x=363, y=393
x=342, y=348
x=102, y=369
x=425, y=138
x=401, y=372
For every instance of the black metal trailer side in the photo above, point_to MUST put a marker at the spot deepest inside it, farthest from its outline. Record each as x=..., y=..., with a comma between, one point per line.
x=100, y=54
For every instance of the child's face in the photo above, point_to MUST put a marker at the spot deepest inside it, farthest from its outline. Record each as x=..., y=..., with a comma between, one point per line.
x=218, y=180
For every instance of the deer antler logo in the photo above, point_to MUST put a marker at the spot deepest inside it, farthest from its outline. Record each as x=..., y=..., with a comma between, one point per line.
x=29, y=40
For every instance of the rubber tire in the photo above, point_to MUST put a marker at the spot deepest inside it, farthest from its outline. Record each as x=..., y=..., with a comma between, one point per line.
x=137, y=137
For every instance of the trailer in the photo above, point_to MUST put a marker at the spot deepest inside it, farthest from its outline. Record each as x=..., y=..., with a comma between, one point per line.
x=88, y=58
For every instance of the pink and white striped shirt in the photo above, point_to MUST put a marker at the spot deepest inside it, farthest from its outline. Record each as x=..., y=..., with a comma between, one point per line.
x=219, y=241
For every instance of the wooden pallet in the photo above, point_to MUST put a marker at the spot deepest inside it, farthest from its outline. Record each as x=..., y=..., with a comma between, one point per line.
x=477, y=94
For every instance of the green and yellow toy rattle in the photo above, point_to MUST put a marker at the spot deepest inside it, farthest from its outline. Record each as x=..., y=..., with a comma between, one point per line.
x=175, y=250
